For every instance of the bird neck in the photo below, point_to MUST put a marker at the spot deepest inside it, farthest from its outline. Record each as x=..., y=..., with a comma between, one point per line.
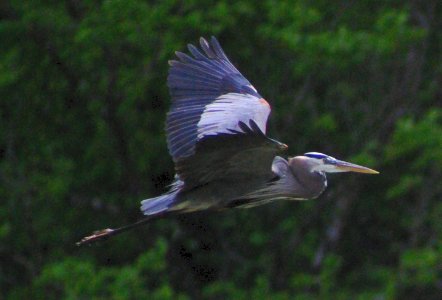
x=312, y=183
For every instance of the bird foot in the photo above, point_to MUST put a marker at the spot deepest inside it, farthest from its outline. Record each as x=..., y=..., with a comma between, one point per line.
x=96, y=236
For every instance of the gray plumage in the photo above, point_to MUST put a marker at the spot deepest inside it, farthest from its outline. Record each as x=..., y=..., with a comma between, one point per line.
x=216, y=132
x=216, y=135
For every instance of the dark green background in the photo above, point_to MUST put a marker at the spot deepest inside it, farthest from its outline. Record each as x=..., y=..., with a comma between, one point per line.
x=83, y=98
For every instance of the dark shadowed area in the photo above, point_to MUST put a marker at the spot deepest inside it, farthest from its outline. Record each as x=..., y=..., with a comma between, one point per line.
x=83, y=102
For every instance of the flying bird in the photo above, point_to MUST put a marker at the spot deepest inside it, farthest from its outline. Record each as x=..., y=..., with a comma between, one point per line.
x=216, y=136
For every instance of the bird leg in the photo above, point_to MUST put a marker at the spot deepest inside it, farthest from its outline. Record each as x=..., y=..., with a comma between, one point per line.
x=104, y=234
x=96, y=236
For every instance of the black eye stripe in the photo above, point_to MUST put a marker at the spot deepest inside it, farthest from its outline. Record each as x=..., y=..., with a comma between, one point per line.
x=316, y=155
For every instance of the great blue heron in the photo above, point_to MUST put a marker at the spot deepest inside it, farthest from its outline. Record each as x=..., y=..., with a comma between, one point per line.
x=216, y=135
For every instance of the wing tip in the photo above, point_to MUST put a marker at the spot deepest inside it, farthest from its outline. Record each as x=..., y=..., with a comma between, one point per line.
x=203, y=41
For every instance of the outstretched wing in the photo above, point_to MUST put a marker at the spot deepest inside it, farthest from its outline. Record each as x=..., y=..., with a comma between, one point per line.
x=216, y=113
x=209, y=96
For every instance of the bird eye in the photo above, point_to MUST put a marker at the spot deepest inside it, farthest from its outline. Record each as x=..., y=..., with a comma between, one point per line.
x=329, y=160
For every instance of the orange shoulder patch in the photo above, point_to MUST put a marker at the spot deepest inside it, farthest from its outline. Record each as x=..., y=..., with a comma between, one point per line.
x=264, y=102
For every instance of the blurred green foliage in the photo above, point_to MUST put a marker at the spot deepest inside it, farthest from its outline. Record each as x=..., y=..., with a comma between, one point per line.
x=83, y=99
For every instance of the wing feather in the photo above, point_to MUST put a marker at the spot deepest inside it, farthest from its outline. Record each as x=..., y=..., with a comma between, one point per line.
x=230, y=157
x=206, y=127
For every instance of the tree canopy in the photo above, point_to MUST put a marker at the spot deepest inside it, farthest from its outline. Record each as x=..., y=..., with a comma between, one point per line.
x=83, y=99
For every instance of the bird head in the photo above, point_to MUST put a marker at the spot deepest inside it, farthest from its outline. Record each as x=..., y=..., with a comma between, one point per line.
x=320, y=162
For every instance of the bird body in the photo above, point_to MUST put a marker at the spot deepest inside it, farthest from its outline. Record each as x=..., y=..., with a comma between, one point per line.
x=217, y=190
x=281, y=184
x=216, y=135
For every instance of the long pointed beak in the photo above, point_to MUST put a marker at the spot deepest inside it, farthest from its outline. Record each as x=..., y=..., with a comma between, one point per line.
x=344, y=166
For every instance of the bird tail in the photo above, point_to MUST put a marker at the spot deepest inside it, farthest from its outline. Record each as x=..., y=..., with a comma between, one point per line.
x=153, y=206
x=158, y=204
